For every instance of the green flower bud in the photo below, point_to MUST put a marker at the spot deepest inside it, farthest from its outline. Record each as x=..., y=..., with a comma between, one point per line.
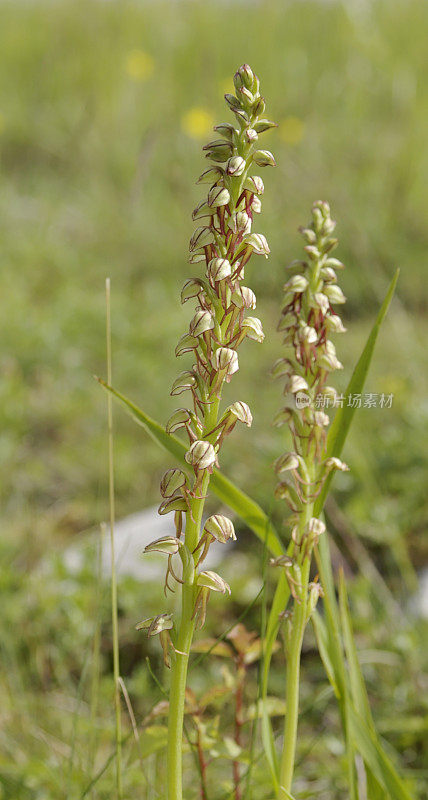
x=173, y=480
x=212, y=581
x=192, y=288
x=313, y=252
x=283, y=417
x=241, y=411
x=246, y=96
x=329, y=362
x=220, y=528
x=218, y=196
x=264, y=125
x=321, y=419
x=282, y=561
x=202, y=210
x=259, y=108
x=321, y=301
x=176, y=503
x=259, y=243
x=186, y=343
x=316, y=526
x=328, y=274
x=335, y=263
x=283, y=492
x=235, y=166
x=308, y=335
x=155, y=625
x=334, y=293
x=287, y=321
x=227, y=130
x=296, y=383
x=201, y=455
x=246, y=75
x=219, y=150
x=256, y=205
x=227, y=360
x=251, y=135
x=181, y=418
x=240, y=223
x=244, y=298
x=309, y=235
x=169, y=545
x=297, y=284
x=211, y=175
x=254, y=184
x=264, y=158
x=202, y=321
x=218, y=270
x=185, y=381
x=334, y=324
x=330, y=393
x=241, y=116
x=336, y=463
x=281, y=367
x=253, y=328
x=232, y=101
x=196, y=257
x=201, y=238
x=315, y=592
x=286, y=463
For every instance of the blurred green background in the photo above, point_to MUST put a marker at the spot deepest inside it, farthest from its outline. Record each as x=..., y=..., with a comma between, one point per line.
x=104, y=108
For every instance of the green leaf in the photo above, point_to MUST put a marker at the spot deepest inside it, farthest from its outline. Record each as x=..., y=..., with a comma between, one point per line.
x=335, y=665
x=323, y=647
x=343, y=417
x=370, y=748
x=383, y=772
x=246, y=508
x=287, y=794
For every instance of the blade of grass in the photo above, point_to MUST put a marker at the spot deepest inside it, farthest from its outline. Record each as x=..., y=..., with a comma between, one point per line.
x=113, y=563
x=336, y=661
x=342, y=420
x=389, y=778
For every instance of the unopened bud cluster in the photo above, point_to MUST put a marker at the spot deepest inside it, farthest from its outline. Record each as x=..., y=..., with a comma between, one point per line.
x=308, y=320
x=222, y=245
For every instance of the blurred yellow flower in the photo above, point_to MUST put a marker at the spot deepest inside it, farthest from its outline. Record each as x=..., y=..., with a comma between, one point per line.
x=197, y=123
x=139, y=65
x=291, y=130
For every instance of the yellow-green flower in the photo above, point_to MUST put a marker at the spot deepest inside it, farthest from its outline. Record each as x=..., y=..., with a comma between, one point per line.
x=291, y=130
x=197, y=123
x=139, y=65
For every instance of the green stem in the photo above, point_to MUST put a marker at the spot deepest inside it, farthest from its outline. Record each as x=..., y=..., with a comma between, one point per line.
x=114, y=616
x=292, y=689
x=294, y=651
x=185, y=635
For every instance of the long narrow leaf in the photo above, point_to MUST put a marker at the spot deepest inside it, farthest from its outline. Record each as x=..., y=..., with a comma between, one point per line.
x=371, y=750
x=343, y=417
x=384, y=772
